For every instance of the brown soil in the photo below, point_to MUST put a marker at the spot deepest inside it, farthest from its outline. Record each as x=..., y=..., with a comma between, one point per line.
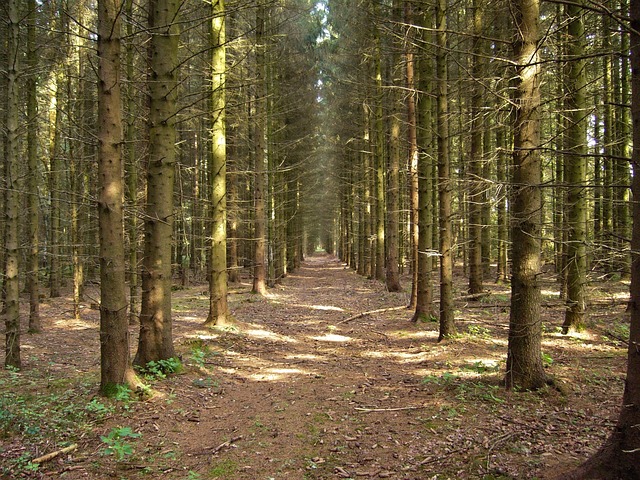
x=297, y=390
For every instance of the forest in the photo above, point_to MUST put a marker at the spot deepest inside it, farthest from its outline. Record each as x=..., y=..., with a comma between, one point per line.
x=258, y=239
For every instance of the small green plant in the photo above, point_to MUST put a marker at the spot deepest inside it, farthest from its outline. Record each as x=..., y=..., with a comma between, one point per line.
x=98, y=408
x=117, y=441
x=159, y=369
x=547, y=360
x=224, y=469
x=446, y=378
x=478, y=331
x=191, y=475
x=481, y=367
x=199, y=356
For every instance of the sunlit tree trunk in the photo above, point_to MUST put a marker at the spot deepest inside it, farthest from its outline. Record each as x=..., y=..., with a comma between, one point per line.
x=156, y=337
x=447, y=325
x=576, y=169
x=413, y=156
x=114, y=335
x=260, y=180
x=12, y=207
x=218, y=310
x=524, y=356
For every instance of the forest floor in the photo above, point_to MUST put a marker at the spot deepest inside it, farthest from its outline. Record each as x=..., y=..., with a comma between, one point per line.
x=300, y=389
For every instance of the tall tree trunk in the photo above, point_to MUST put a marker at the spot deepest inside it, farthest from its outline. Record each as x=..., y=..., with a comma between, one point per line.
x=33, y=207
x=132, y=167
x=576, y=168
x=476, y=270
x=115, y=366
x=260, y=179
x=413, y=157
x=156, y=341
x=218, y=311
x=379, y=157
x=524, y=356
x=424, y=293
x=11, y=212
x=447, y=325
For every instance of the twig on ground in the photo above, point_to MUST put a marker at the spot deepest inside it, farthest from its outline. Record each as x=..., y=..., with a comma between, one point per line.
x=52, y=455
x=214, y=450
x=370, y=312
x=396, y=409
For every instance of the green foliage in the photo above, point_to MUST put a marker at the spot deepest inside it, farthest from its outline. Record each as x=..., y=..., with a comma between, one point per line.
x=224, y=469
x=99, y=409
x=161, y=368
x=447, y=378
x=479, y=331
x=117, y=442
x=481, y=367
x=547, y=360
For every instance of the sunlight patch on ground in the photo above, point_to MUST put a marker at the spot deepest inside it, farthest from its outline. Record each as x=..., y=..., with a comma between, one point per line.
x=551, y=293
x=201, y=336
x=275, y=374
x=266, y=334
x=332, y=337
x=302, y=356
x=326, y=307
x=71, y=324
x=402, y=357
x=422, y=334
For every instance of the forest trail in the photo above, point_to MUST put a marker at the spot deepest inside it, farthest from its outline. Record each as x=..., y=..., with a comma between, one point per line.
x=300, y=389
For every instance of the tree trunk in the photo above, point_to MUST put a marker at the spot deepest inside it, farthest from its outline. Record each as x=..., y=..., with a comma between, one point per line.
x=155, y=341
x=424, y=293
x=524, y=356
x=447, y=325
x=114, y=335
x=33, y=207
x=260, y=181
x=476, y=270
x=11, y=212
x=576, y=170
x=218, y=311
x=414, y=179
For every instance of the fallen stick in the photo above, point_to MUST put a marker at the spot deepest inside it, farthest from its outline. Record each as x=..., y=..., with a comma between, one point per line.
x=370, y=312
x=396, y=409
x=213, y=451
x=52, y=455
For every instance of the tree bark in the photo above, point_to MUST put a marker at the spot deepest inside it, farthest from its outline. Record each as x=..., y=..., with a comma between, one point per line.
x=447, y=325
x=33, y=207
x=524, y=356
x=115, y=366
x=156, y=341
x=576, y=170
x=260, y=180
x=11, y=283
x=218, y=310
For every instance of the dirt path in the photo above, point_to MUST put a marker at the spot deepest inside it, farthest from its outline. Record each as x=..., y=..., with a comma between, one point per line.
x=295, y=392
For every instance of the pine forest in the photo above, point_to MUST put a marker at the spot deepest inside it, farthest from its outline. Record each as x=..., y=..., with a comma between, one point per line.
x=320, y=239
